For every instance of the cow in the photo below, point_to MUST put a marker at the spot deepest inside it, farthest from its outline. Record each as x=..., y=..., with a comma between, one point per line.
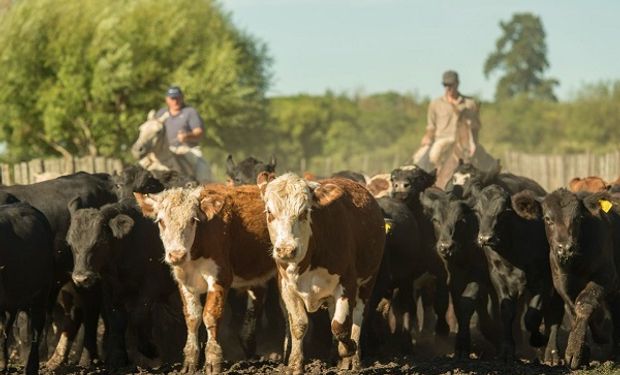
x=351, y=175
x=136, y=179
x=27, y=270
x=456, y=230
x=51, y=198
x=379, y=185
x=591, y=184
x=584, y=260
x=328, y=240
x=467, y=179
x=215, y=238
x=119, y=246
x=407, y=184
x=517, y=253
x=246, y=171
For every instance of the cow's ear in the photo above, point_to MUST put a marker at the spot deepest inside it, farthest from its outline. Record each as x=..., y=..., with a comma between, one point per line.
x=74, y=205
x=527, y=205
x=121, y=225
x=325, y=194
x=263, y=179
x=149, y=204
x=273, y=162
x=151, y=115
x=211, y=205
x=596, y=202
x=491, y=174
x=428, y=198
x=230, y=165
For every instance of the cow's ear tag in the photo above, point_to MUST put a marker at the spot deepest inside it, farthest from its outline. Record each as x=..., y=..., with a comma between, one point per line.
x=605, y=205
x=388, y=227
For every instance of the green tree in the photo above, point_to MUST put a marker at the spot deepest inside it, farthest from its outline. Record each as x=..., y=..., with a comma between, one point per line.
x=521, y=54
x=79, y=76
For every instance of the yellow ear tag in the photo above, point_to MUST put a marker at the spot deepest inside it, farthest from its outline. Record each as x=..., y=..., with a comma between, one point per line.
x=388, y=228
x=605, y=205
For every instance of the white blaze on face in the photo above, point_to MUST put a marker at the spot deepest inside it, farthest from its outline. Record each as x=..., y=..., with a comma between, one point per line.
x=287, y=201
x=460, y=178
x=177, y=217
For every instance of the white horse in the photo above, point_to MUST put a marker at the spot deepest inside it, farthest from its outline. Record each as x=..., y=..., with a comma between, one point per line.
x=153, y=150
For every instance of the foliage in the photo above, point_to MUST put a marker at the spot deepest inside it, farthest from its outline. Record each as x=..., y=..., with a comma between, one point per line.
x=79, y=76
x=521, y=53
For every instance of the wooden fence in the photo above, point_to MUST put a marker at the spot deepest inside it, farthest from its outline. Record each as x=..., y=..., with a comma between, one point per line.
x=554, y=171
x=39, y=169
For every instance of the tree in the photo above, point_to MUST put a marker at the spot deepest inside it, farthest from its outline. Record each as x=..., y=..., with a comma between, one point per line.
x=521, y=53
x=78, y=77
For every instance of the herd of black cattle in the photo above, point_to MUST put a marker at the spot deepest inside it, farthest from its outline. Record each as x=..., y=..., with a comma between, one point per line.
x=494, y=244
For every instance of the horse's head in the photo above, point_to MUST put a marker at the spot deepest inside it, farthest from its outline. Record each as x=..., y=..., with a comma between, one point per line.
x=151, y=137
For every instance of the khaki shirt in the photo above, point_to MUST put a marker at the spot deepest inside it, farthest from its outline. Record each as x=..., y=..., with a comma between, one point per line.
x=443, y=117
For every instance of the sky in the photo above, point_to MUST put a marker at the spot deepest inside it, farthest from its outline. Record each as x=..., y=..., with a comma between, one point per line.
x=372, y=46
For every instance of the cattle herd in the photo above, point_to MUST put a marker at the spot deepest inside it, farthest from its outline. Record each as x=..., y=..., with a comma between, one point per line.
x=147, y=263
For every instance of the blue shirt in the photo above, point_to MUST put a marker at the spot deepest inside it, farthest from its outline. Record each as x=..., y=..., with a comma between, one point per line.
x=186, y=120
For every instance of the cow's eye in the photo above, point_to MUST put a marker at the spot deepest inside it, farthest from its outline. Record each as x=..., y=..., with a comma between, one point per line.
x=161, y=224
x=548, y=220
x=303, y=216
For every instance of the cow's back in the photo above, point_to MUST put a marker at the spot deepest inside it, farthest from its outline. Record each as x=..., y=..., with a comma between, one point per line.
x=349, y=229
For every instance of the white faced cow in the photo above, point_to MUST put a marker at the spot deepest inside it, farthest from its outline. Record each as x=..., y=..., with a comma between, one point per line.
x=328, y=240
x=215, y=238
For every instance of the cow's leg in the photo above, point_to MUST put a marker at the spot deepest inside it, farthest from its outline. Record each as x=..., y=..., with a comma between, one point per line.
x=427, y=295
x=533, y=318
x=407, y=315
x=254, y=310
x=298, y=324
x=69, y=303
x=192, y=307
x=91, y=308
x=212, y=314
x=441, y=302
x=6, y=325
x=508, y=309
x=587, y=302
x=37, y=323
x=116, y=326
x=614, y=307
x=464, y=309
x=554, y=313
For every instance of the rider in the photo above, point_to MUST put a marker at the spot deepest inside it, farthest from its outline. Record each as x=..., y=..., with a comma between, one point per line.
x=184, y=129
x=443, y=117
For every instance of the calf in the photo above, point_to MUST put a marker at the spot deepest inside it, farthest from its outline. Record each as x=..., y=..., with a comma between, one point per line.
x=407, y=184
x=518, y=257
x=456, y=228
x=215, y=238
x=135, y=179
x=328, y=240
x=246, y=171
x=584, y=262
x=592, y=184
x=27, y=270
x=51, y=198
x=118, y=245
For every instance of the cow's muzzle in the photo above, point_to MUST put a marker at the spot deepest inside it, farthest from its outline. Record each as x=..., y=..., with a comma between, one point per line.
x=176, y=257
x=286, y=253
x=84, y=279
x=445, y=248
x=565, y=252
x=487, y=240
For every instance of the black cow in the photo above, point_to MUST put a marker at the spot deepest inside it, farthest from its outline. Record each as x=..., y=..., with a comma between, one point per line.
x=136, y=179
x=26, y=275
x=518, y=256
x=584, y=262
x=247, y=170
x=456, y=228
x=407, y=184
x=354, y=176
x=51, y=198
x=116, y=244
x=466, y=179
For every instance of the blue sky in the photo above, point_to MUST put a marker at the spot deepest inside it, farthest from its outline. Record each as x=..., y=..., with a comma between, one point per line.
x=405, y=45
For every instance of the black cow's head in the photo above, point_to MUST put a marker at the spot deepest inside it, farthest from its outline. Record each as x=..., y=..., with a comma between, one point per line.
x=92, y=235
x=563, y=213
x=246, y=171
x=409, y=182
x=493, y=208
x=136, y=179
x=467, y=179
x=454, y=221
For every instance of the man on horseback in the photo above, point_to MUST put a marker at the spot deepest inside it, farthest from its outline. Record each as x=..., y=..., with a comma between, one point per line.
x=184, y=129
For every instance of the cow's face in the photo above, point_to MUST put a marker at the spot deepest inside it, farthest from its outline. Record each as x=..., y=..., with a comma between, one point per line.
x=91, y=235
x=177, y=212
x=151, y=134
x=563, y=212
x=493, y=208
x=289, y=201
x=246, y=171
x=410, y=182
x=454, y=222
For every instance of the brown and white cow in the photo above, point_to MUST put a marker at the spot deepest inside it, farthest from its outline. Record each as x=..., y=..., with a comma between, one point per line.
x=328, y=240
x=591, y=184
x=215, y=238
